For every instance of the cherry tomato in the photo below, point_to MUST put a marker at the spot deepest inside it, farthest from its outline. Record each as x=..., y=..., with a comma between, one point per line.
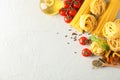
x=68, y=19
x=67, y=4
x=67, y=0
x=81, y=1
x=86, y=52
x=63, y=11
x=83, y=40
x=76, y=4
x=72, y=11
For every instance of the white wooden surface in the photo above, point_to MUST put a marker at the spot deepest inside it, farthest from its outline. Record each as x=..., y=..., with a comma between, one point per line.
x=31, y=49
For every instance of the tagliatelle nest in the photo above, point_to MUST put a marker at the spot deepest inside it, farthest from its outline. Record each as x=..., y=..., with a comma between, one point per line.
x=88, y=22
x=114, y=44
x=97, y=7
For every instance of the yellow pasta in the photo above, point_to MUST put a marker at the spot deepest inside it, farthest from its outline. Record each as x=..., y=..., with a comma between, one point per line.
x=96, y=49
x=107, y=53
x=88, y=22
x=114, y=44
x=85, y=8
x=111, y=30
x=115, y=54
x=109, y=15
x=97, y=7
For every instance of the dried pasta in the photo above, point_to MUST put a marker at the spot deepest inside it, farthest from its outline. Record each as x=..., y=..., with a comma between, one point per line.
x=111, y=30
x=85, y=8
x=96, y=49
x=114, y=44
x=109, y=15
x=88, y=22
x=97, y=7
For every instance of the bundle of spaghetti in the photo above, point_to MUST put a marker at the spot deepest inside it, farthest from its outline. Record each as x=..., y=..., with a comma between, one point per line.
x=111, y=30
x=88, y=22
x=85, y=8
x=109, y=15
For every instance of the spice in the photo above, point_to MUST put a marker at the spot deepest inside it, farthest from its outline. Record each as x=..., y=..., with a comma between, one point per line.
x=66, y=35
x=74, y=33
x=68, y=42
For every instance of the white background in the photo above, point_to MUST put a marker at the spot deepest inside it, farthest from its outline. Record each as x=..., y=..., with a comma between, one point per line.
x=31, y=49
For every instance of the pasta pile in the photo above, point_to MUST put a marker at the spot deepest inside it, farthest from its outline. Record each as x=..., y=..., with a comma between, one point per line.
x=109, y=15
x=111, y=31
x=88, y=22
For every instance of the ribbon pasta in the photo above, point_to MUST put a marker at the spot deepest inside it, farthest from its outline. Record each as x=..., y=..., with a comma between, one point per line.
x=97, y=7
x=88, y=22
x=114, y=44
x=96, y=49
x=111, y=30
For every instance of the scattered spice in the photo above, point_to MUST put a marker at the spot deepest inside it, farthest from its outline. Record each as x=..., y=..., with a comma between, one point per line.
x=57, y=33
x=74, y=33
x=75, y=52
x=66, y=35
x=69, y=29
x=68, y=42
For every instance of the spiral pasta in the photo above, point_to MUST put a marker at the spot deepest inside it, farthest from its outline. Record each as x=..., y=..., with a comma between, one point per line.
x=96, y=49
x=111, y=30
x=114, y=44
x=97, y=7
x=88, y=22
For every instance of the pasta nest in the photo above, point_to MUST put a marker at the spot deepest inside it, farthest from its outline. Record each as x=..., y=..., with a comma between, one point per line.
x=111, y=30
x=114, y=44
x=96, y=49
x=88, y=22
x=97, y=7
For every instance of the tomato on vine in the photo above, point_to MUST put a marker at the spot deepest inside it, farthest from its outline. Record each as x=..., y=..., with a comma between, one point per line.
x=72, y=11
x=63, y=11
x=68, y=19
x=77, y=4
x=67, y=4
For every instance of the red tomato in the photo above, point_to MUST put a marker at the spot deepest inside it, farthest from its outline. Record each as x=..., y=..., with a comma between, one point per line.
x=72, y=11
x=67, y=0
x=86, y=52
x=63, y=11
x=81, y=1
x=83, y=40
x=67, y=4
x=68, y=19
x=76, y=4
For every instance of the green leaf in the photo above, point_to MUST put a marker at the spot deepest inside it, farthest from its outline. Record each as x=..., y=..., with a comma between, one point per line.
x=93, y=38
x=104, y=46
